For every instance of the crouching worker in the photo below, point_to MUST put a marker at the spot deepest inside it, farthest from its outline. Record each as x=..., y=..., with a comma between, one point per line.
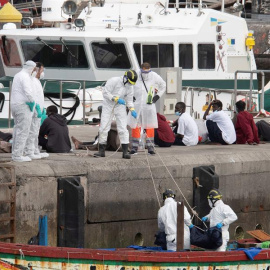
x=53, y=133
x=118, y=93
x=220, y=216
x=167, y=221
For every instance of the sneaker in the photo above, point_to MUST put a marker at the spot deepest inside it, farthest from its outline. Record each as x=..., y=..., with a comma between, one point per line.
x=35, y=156
x=151, y=152
x=133, y=152
x=21, y=159
x=44, y=155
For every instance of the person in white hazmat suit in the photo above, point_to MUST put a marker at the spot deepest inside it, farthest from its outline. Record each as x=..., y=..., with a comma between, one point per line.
x=39, y=112
x=22, y=107
x=167, y=221
x=117, y=93
x=221, y=216
x=148, y=89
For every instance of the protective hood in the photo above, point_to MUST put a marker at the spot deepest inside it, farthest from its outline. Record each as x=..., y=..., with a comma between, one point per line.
x=29, y=66
x=59, y=119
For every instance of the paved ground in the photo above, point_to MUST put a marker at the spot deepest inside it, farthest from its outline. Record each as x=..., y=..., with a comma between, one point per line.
x=88, y=133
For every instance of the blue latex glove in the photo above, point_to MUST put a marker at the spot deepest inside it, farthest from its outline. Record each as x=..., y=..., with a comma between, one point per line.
x=43, y=116
x=121, y=101
x=204, y=219
x=134, y=114
x=219, y=225
x=31, y=105
x=191, y=226
x=39, y=113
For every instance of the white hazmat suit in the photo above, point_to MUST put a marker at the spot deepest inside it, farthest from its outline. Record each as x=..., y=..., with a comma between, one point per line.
x=35, y=126
x=146, y=113
x=167, y=222
x=22, y=92
x=222, y=213
x=115, y=88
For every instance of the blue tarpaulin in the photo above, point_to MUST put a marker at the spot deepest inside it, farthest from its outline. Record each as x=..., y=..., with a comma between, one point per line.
x=251, y=252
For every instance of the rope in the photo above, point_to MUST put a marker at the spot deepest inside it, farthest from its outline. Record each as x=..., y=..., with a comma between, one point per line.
x=191, y=209
x=152, y=178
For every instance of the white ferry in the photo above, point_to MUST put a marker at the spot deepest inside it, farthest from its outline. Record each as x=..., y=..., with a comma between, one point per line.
x=188, y=44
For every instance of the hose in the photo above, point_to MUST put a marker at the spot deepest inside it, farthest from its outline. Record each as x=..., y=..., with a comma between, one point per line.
x=71, y=110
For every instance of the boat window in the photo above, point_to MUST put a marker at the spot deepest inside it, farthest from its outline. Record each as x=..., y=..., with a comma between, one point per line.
x=150, y=55
x=166, y=55
x=206, y=56
x=110, y=55
x=186, y=56
x=137, y=49
x=160, y=55
x=10, y=52
x=57, y=54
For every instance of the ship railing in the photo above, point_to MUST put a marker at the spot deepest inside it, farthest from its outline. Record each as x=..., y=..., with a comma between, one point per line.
x=251, y=91
x=61, y=90
x=187, y=5
x=210, y=92
x=81, y=87
x=213, y=92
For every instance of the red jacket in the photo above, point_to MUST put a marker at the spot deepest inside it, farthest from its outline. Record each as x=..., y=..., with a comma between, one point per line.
x=165, y=132
x=246, y=130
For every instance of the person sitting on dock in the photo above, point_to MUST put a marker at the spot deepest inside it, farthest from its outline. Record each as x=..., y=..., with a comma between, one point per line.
x=113, y=141
x=167, y=221
x=53, y=133
x=263, y=130
x=186, y=129
x=246, y=130
x=221, y=216
x=219, y=125
x=164, y=136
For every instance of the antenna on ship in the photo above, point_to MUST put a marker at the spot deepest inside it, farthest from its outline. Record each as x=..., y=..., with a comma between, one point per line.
x=119, y=28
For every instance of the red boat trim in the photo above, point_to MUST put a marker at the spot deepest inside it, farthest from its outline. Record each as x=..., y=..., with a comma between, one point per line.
x=126, y=256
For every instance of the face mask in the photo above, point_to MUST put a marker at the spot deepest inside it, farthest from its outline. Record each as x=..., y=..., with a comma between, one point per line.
x=210, y=203
x=177, y=113
x=41, y=75
x=125, y=80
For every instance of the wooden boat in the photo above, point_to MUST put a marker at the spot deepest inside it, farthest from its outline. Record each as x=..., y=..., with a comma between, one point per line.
x=17, y=256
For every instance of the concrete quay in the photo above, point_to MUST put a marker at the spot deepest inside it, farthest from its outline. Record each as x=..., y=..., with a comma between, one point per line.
x=120, y=197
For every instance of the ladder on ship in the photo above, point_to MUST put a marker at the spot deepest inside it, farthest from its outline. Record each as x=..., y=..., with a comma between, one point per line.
x=8, y=192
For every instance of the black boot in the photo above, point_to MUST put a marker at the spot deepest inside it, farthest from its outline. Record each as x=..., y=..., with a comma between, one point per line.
x=101, y=151
x=125, y=151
